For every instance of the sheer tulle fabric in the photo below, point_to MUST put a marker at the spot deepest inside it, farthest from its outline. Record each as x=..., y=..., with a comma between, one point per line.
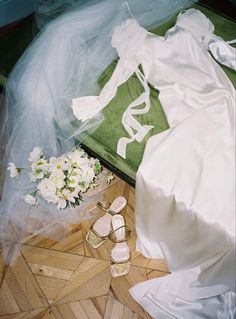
x=64, y=61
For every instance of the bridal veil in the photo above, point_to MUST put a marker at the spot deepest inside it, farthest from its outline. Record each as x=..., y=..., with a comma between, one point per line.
x=64, y=61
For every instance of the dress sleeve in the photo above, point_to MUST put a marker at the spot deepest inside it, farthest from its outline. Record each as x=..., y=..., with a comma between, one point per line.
x=222, y=51
x=86, y=107
x=202, y=28
x=127, y=39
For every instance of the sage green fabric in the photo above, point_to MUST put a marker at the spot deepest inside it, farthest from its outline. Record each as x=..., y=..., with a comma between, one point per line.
x=103, y=141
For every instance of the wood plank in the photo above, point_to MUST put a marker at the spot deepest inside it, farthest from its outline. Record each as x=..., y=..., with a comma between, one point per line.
x=115, y=190
x=93, y=308
x=151, y=274
x=8, y=303
x=117, y=310
x=72, y=243
x=35, y=314
x=91, y=311
x=120, y=288
x=91, y=279
x=129, y=212
x=64, y=311
x=22, y=288
x=50, y=286
x=51, y=263
x=158, y=264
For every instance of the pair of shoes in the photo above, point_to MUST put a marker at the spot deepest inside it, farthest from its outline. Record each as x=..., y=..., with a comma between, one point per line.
x=112, y=225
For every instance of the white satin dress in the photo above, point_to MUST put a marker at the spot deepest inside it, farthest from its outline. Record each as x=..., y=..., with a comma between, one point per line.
x=185, y=185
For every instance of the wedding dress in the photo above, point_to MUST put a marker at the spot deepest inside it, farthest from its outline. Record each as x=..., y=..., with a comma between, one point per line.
x=185, y=185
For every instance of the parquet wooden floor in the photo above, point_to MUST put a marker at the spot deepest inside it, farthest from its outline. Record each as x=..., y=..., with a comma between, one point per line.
x=71, y=280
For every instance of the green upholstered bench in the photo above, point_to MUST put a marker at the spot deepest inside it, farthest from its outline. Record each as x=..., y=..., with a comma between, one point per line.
x=103, y=141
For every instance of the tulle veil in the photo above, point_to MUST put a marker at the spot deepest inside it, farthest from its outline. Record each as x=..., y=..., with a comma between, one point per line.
x=64, y=61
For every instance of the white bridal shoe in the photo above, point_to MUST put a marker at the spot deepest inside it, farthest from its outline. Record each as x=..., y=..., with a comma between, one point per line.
x=101, y=229
x=120, y=254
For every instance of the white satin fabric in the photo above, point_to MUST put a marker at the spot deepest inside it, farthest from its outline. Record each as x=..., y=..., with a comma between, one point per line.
x=185, y=186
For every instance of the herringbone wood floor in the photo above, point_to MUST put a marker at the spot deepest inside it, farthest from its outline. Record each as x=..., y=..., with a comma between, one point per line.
x=71, y=280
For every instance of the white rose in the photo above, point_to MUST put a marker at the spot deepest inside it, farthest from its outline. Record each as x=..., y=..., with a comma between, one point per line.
x=36, y=154
x=14, y=171
x=30, y=200
x=47, y=189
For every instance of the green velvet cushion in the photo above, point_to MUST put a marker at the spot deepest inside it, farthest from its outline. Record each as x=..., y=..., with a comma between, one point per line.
x=103, y=141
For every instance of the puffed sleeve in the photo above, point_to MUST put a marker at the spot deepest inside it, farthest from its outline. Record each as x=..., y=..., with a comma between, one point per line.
x=202, y=28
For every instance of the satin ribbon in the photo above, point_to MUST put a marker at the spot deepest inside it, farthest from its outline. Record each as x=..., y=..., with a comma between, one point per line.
x=130, y=123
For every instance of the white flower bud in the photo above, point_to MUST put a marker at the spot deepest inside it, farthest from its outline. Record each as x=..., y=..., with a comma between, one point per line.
x=30, y=200
x=14, y=171
x=36, y=154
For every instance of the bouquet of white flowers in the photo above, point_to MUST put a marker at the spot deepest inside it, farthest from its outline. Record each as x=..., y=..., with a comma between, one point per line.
x=60, y=180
